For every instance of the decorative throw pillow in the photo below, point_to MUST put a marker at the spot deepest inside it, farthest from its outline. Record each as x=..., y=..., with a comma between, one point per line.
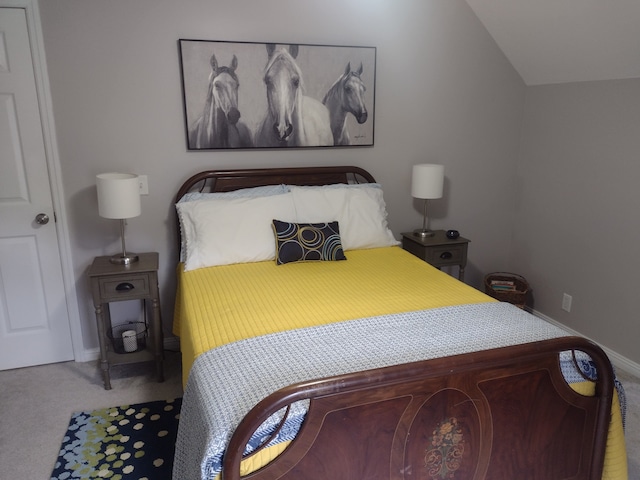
x=304, y=242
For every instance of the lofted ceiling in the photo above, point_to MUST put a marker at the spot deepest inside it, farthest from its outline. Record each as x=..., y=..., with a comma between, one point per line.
x=558, y=41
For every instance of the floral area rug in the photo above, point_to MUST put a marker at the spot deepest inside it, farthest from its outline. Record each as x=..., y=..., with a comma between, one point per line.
x=127, y=442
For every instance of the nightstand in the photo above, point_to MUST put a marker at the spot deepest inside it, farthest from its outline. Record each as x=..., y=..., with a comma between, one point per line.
x=116, y=283
x=438, y=250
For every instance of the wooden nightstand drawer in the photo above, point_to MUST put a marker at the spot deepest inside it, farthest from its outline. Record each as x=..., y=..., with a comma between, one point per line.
x=446, y=255
x=438, y=250
x=122, y=287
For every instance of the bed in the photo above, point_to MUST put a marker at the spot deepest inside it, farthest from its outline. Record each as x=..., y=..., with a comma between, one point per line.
x=313, y=346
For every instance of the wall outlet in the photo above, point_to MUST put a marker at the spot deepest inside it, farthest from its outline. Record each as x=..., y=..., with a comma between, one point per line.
x=566, y=302
x=143, y=184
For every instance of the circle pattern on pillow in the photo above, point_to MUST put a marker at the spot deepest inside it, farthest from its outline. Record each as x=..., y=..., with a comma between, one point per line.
x=304, y=242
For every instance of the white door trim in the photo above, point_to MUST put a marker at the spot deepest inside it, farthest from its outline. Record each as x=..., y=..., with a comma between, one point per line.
x=55, y=172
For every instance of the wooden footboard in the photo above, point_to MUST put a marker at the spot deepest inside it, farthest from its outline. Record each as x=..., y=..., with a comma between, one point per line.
x=505, y=413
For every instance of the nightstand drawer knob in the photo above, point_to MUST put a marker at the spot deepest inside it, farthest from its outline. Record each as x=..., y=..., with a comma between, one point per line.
x=446, y=255
x=124, y=287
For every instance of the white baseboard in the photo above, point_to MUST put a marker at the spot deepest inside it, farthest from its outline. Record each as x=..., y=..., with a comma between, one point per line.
x=623, y=363
x=87, y=355
x=93, y=354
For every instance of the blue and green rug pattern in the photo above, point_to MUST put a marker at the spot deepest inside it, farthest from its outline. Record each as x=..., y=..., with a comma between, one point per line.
x=127, y=442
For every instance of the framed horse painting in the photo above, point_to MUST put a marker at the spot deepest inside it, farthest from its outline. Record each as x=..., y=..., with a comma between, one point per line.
x=240, y=95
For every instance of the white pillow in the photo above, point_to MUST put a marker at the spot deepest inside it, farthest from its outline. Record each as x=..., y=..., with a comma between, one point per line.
x=251, y=192
x=237, y=230
x=359, y=209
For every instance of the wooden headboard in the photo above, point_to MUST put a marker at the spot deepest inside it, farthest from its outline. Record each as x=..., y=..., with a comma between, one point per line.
x=229, y=180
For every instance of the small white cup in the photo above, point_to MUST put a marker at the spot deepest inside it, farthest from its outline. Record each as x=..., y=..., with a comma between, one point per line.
x=129, y=341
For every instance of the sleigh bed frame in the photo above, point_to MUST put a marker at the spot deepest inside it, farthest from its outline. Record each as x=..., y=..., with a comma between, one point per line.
x=505, y=413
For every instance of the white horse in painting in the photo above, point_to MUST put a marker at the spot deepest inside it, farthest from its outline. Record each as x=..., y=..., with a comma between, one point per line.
x=292, y=119
x=219, y=125
x=346, y=96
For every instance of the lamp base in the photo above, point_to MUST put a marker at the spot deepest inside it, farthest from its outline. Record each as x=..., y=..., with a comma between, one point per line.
x=124, y=259
x=422, y=233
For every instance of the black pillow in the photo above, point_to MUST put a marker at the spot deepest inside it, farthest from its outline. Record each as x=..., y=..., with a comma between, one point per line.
x=306, y=242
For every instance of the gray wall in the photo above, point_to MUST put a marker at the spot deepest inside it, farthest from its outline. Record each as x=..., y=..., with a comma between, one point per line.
x=444, y=94
x=577, y=223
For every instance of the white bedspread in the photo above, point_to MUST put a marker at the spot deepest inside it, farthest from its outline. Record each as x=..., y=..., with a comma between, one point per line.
x=226, y=382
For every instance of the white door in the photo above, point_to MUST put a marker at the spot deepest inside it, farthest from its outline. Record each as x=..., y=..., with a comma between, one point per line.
x=34, y=320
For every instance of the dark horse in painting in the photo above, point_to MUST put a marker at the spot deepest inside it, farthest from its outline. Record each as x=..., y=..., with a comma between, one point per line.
x=292, y=119
x=219, y=125
x=346, y=96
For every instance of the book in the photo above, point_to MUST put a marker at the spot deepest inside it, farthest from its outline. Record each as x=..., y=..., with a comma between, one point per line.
x=509, y=283
x=503, y=285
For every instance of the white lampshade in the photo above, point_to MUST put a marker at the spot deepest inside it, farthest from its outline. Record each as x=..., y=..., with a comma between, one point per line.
x=427, y=181
x=118, y=195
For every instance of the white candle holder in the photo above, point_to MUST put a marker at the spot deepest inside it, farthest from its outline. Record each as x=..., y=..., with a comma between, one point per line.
x=129, y=341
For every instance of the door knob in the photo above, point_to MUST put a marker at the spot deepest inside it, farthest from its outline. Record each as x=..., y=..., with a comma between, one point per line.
x=42, y=219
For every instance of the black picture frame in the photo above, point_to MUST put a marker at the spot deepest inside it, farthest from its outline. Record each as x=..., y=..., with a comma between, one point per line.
x=312, y=88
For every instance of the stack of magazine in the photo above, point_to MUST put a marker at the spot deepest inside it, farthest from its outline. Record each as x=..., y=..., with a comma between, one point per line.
x=503, y=285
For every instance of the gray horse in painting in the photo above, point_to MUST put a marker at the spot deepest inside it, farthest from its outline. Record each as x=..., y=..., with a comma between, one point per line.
x=292, y=119
x=219, y=125
x=346, y=96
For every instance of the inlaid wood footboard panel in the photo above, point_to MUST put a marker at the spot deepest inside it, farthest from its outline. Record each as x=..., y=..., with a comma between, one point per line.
x=505, y=413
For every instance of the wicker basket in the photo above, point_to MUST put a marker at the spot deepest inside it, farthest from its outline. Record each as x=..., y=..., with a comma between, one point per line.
x=516, y=296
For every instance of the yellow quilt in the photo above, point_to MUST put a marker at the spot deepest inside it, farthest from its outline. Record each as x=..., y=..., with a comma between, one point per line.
x=224, y=304
x=219, y=305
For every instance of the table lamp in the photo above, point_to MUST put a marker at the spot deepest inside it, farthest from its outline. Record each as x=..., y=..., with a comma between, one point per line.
x=427, y=182
x=119, y=198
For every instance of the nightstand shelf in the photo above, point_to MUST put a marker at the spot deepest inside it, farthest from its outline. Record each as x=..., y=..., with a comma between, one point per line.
x=117, y=283
x=438, y=250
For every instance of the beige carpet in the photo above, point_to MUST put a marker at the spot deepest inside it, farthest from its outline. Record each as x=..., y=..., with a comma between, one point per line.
x=36, y=405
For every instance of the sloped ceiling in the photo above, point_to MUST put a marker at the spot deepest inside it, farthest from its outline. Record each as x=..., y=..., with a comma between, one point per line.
x=558, y=41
